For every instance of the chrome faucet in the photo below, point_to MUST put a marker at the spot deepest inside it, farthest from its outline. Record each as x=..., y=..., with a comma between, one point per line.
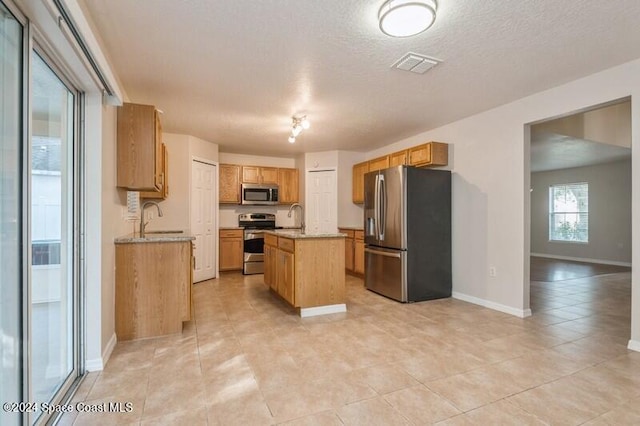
x=142, y=222
x=294, y=205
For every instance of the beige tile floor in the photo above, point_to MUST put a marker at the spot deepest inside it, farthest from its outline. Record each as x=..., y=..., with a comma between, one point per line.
x=248, y=359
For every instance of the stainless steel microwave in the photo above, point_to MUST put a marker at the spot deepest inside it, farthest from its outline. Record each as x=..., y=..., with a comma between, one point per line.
x=257, y=194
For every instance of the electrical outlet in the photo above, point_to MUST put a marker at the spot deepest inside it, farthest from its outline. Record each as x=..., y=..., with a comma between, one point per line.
x=492, y=271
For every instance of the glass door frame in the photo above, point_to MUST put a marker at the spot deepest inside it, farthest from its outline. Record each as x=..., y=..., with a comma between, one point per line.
x=35, y=44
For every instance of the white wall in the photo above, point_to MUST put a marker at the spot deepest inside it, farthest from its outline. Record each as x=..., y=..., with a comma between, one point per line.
x=489, y=158
x=609, y=212
x=349, y=214
x=101, y=303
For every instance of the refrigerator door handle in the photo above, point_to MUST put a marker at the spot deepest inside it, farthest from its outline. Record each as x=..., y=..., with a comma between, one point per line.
x=376, y=201
x=382, y=198
x=383, y=253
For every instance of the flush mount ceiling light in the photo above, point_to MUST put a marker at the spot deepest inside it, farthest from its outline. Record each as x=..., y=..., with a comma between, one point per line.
x=298, y=124
x=405, y=18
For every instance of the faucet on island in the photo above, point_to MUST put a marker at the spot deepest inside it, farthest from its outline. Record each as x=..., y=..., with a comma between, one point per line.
x=301, y=214
x=142, y=222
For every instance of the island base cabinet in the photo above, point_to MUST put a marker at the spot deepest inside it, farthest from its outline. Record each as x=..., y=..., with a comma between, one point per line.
x=153, y=289
x=306, y=272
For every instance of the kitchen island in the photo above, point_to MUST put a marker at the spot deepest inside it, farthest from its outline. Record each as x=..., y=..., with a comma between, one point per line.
x=306, y=270
x=154, y=275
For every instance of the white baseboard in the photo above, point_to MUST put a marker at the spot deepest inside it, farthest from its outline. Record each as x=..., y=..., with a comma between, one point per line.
x=97, y=364
x=634, y=345
x=322, y=310
x=520, y=313
x=582, y=259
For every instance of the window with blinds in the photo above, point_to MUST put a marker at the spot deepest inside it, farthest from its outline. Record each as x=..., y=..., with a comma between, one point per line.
x=569, y=212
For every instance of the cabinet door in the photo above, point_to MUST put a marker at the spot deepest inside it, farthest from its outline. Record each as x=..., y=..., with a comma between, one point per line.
x=398, y=159
x=250, y=174
x=379, y=163
x=231, y=255
x=138, y=149
x=267, y=265
x=286, y=278
x=420, y=155
x=429, y=154
x=269, y=175
x=358, y=257
x=358, y=182
x=288, y=186
x=229, y=184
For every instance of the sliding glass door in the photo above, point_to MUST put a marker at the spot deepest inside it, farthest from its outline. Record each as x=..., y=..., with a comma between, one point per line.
x=11, y=220
x=39, y=225
x=53, y=293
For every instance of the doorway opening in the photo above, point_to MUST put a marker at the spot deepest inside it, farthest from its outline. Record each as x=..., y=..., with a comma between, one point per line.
x=580, y=224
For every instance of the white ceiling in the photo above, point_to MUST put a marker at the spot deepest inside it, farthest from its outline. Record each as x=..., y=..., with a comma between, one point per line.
x=551, y=151
x=234, y=71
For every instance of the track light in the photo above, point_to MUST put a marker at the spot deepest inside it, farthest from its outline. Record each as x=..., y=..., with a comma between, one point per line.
x=297, y=125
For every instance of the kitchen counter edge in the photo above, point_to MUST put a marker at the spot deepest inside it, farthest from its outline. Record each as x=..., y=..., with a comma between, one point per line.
x=298, y=235
x=154, y=238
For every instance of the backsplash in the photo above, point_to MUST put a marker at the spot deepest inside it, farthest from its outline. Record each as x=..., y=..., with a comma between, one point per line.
x=229, y=214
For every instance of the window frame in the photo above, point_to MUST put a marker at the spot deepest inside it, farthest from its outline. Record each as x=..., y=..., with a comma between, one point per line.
x=551, y=213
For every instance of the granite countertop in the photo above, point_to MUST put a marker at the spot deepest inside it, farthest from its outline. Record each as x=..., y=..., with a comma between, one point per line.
x=229, y=228
x=296, y=234
x=153, y=237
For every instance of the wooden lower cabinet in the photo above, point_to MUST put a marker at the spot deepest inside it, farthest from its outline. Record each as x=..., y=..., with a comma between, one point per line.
x=353, y=250
x=306, y=272
x=153, y=288
x=231, y=252
x=358, y=259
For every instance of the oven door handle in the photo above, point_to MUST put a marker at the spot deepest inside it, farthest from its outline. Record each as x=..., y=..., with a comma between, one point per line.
x=254, y=235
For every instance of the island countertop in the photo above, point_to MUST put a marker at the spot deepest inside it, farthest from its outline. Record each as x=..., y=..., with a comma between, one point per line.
x=154, y=237
x=297, y=234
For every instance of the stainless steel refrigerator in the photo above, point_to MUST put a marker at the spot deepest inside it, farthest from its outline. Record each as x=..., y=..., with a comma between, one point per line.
x=407, y=225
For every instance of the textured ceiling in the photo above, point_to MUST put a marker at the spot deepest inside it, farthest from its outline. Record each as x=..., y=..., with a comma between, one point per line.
x=234, y=71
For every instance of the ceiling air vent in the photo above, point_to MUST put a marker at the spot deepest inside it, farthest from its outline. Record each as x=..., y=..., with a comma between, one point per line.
x=416, y=63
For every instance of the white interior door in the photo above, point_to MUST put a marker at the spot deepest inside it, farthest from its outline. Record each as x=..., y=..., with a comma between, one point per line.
x=203, y=211
x=322, y=202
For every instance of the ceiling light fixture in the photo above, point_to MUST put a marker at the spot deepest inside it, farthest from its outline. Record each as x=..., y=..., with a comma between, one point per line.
x=405, y=18
x=298, y=124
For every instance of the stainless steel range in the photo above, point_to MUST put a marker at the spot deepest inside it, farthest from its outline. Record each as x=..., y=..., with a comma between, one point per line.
x=254, y=224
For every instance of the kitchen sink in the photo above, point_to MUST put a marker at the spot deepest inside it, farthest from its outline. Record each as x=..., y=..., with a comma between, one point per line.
x=163, y=232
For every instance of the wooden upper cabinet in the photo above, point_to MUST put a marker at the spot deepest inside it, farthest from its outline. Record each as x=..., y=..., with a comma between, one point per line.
x=229, y=184
x=379, y=163
x=398, y=158
x=287, y=186
x=163, y=192
x=358, y=181
x=255, y=174
x=139, y=146
x=429, y=154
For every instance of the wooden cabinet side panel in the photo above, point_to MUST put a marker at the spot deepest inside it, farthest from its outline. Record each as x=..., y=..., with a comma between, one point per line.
x=439, y=154
x=136, y=147
x=359, y=171
x=151, y=280
x=319, y=272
